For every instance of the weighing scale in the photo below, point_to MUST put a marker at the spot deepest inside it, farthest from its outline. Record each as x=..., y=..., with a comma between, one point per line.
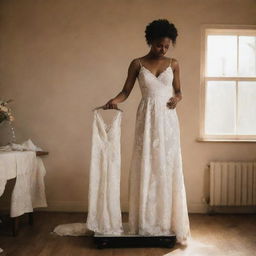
x=127, y=240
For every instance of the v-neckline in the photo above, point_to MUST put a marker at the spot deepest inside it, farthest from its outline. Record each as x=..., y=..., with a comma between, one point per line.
x=157, y=77
x=107, y=127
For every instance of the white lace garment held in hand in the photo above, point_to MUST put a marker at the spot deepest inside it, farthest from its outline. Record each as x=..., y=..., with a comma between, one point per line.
x=104, y=211
x=157, y=197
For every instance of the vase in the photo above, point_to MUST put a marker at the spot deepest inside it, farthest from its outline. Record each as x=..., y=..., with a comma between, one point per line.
x=7, y=133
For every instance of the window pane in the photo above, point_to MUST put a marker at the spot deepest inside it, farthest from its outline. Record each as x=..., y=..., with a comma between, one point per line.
x=247, y=55
x=247, y=108
x=220, y=107
x=221, y=55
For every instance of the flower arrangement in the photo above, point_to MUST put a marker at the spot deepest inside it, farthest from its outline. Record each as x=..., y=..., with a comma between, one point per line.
x=6, y=118
x=5, y=112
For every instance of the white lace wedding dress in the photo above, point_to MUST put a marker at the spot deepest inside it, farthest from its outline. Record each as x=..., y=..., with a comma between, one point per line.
x=104, y=211
x=157, y=197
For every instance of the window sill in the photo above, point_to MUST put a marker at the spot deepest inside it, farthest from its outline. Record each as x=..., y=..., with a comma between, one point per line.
x=224, y=140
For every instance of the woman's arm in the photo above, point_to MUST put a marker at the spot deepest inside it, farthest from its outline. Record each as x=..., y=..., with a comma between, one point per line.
x=176, y=85
x=128, y=85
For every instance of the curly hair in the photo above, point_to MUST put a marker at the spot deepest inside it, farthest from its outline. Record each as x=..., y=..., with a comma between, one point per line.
x=160, y=28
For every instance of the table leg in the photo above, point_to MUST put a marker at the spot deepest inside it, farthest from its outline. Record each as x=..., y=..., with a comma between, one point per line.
x=15, y=226
x=30, y=218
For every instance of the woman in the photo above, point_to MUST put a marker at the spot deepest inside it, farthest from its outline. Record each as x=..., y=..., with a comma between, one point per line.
x=157, y=197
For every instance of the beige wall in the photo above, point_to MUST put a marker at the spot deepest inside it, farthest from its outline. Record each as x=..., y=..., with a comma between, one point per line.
x=59, y=59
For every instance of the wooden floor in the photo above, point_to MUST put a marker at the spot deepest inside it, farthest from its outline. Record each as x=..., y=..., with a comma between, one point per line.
x=227, y=235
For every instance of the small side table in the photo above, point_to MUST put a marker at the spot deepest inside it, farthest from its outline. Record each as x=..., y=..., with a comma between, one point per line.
x=15, y=220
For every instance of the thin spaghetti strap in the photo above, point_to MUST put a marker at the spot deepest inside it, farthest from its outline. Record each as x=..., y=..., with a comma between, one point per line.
x=140, y=63
x=170, y=62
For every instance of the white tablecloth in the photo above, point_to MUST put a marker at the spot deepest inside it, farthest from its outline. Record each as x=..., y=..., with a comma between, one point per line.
x=29, y=189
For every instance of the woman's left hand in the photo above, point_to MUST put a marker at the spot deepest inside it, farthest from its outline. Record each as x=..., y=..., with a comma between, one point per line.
x=172, y=102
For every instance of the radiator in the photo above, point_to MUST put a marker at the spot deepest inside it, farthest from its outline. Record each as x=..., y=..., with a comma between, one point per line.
x=232, y=183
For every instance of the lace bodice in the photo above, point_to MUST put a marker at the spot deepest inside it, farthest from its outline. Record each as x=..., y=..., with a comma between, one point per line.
x=152, y=86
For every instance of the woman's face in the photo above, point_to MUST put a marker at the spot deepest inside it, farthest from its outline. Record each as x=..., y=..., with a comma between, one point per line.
x=159, y=47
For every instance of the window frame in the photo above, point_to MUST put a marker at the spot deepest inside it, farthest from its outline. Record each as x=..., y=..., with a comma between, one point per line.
x=211, y=29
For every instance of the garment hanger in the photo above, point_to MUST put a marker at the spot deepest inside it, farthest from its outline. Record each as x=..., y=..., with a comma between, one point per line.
x=107, y=108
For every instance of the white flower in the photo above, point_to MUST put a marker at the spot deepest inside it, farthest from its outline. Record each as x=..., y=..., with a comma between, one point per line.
x=3, y=108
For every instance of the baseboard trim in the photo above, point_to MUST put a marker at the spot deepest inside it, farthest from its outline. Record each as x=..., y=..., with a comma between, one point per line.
x=79, y=206
x=197, y=208
x=64, y=206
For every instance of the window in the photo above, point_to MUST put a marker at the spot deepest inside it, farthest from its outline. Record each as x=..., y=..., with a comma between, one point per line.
x=228, y=83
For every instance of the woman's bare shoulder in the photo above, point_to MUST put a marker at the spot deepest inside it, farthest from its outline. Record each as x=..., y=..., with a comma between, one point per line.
x=134, y=66
x=135, y=63
x=173, y=59
x=174, y=63
x=137, y=60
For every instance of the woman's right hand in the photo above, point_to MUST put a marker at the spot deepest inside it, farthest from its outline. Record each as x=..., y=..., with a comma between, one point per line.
x=110, y=105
